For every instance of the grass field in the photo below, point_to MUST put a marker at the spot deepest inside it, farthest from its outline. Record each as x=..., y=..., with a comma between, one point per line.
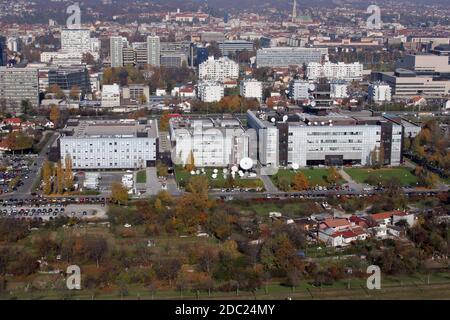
x=141, y=177
x=316, y=177
x=182, y=177
x=403, y=287
x=403, y=175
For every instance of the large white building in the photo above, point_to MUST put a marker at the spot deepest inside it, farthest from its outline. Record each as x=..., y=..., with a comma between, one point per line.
x=379, y=92
x=210, y=91
x=110, y=144
x=61, y=58
x=153, y=51
x=289, y=56
x=218, y=70
x=111, y=96
x=211, y=143
x=335, y=139
x=335, y=71
x=251, y=89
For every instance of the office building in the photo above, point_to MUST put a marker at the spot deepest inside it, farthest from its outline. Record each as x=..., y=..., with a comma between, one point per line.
x=251, y=89
x=335, y=139
x=425, y=64
x=202, y=55
x=218, y=70
x=174, y=60
x=59, y=58
x=228, y=47
x=136, y=92
x=211, y=142
x=67, y=77
x=212, y=36
x=110, y=144
x=17, y=85
x=210, y=91
x=289, y=56
x=116, y=52
x=335, y=71
x=153, y=51
x=379, y=92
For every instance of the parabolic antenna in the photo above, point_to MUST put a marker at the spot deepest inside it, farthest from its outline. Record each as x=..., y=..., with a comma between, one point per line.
x=246, y=163
x=312, y=87
x=295, y=166
x=273, y=120
x=193, y=172
x=214, y=176
x=234, y=169
x=225, y=171
x=313, y=103
x=198, y=172
x=215, y=171
x=285, y=118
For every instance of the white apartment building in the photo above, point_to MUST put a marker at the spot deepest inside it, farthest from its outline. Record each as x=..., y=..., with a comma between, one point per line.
x=339, y=90
x=299, y=90
x=218, y=70
x=111, y=96
x=153, y=51
x=335, y=71
x=251, y=89
x=61, y=58
x=110, y=144
x=379, y=92
x=268, y=139
x=210, y=91
x=211, y=143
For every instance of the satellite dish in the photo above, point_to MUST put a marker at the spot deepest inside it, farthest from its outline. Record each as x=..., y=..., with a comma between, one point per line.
x=313, y=103
x=193, y=172
x=198, y=172
x=246, y=163
x=241, y=174
x=273, y=120
x=214, y=176
x=234, y=169
x=312, y=87
x=295, y=166
x=225, y=171
x=215, y=171
x=285, y=118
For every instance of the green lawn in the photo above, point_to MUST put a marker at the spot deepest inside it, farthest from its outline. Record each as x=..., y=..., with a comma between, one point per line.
x=403, y=175
x=141, y=177
x=315, y=176
x=182, y=177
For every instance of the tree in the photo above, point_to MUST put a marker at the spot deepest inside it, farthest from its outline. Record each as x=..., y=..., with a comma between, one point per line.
x=47, y=170
x=27, y=108
x=96, y=247
x=59, y=188
x=119, y=193
x=57, y=91
x=164, y=121
x=333, y=175
x=68, y=174
x=75, y=93
x=284, y=183
x=300, y=182
x=54, y=114
x=190, y=162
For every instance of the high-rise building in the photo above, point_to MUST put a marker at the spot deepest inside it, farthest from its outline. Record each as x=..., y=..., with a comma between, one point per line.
x=153, y=51
x=17, y=85
x=116, y=51
x=299, y=90
x=3, y=56
x=210, y=91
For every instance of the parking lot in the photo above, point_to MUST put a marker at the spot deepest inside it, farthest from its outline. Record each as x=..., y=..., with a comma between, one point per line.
x=50, y=210
x=14, y=172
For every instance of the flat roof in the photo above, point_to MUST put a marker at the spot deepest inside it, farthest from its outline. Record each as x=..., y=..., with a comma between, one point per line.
x=113, y=129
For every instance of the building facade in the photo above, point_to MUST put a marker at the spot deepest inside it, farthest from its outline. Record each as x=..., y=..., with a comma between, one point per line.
x=335, y=71
x=289, y=56
x=218, y=70
x=251, y=89
x=17, y=85
x=153, y=51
